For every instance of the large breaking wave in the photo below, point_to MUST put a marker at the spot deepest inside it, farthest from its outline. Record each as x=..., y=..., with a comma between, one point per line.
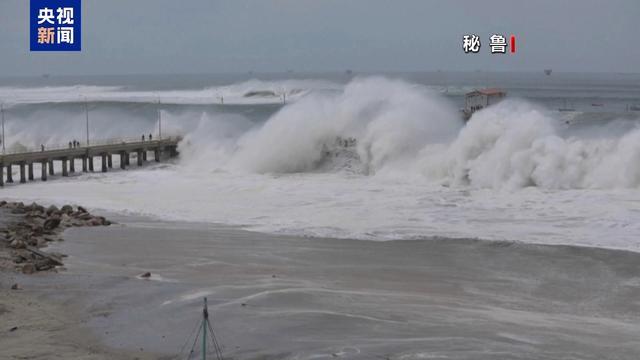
x=407, y=130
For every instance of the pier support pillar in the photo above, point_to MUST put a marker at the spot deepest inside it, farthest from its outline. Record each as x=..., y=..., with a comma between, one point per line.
x=84, y=164
x=173, y=151
x=64, y=168
x=72, y=165
x=110, y=161
x=9, y=174
x=90, y=160
x=123, y=160
x=127, y=157
x=139, y=158
x=104, y=162
x=144, y=155
x=43, y=170
x=51, y=169
x=156, y=154
x=30, y=171
x=1, y=174
x=23, y=177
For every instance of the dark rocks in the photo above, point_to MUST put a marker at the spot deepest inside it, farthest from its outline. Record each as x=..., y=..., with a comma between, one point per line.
x=17, y=244
x=44, y=264
x=28, y=268
x=41, y=242
x=37, y=208
x=52, y=209
x=145, y=275
x=38, y=227
x=51, y=223
x=84, y=216
x=67, y=209
x=15, y=287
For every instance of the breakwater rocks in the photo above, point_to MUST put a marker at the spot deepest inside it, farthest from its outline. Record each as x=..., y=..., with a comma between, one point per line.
x=29, y=228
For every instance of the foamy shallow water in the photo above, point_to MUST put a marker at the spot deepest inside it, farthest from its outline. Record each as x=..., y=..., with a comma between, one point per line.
x=354, y=206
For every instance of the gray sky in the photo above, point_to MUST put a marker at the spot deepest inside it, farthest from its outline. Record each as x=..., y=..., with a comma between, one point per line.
x=213, y=36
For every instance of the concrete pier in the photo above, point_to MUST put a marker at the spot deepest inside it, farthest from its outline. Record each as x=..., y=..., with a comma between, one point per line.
x=9, y=174
x=43, y=170
x=64, y=167
x=23, y=177
x=123, y=159
x=104, y=162
x=161, y=148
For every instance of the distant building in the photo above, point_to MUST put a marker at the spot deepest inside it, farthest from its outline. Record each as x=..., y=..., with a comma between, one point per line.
x=480, y=99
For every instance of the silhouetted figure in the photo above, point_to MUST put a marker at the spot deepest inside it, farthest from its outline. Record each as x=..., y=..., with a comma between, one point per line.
x=70, y=145
x=150, y=137
x=42, y=147
x=142, y=137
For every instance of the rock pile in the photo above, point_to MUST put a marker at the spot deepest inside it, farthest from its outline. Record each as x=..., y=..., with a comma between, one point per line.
x=34, y=227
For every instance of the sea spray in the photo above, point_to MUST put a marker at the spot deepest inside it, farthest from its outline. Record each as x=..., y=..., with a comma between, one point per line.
x=402, y=130
x=390, y=120
x=406, y=130
x=516, y=144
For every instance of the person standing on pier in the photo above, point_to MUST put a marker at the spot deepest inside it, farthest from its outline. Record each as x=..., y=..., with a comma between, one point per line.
x=150, y=137
x=70, y=145
x=142, y=137
x=42, y=147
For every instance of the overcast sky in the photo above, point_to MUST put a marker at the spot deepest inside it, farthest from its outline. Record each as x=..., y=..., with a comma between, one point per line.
x=214, y=36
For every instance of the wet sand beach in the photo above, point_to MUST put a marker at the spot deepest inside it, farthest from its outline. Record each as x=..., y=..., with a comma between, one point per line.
x=281, y=297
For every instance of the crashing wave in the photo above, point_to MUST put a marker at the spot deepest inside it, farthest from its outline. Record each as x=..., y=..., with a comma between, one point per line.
x=341, y=156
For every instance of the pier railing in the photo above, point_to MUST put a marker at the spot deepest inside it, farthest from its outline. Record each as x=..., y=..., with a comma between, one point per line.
x=83, y=144
x=67, y=155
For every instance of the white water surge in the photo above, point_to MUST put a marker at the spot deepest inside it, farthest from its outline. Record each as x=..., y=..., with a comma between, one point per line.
x=516, y=171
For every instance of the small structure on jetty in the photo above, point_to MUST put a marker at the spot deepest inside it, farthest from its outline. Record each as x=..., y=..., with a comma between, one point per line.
x=165, y=147
x=480, y=99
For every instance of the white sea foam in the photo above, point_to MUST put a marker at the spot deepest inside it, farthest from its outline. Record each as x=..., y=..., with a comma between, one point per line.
x=513, y=172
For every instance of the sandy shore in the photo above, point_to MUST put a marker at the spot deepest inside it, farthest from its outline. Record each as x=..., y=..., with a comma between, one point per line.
x=280, y=297
x=36, y=327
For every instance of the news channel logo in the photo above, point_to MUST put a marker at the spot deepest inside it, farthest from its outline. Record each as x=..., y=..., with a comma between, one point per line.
x=56, y=25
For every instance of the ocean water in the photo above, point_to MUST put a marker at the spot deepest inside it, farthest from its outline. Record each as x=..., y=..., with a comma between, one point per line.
x=262, y=152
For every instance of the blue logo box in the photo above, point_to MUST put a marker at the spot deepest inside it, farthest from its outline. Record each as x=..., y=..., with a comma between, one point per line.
x=56, y=25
